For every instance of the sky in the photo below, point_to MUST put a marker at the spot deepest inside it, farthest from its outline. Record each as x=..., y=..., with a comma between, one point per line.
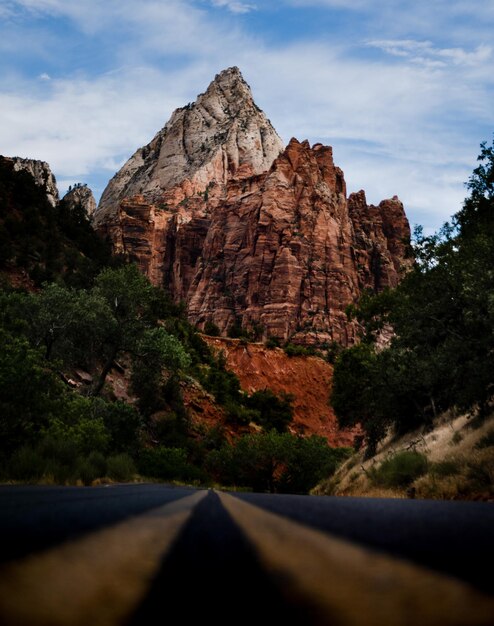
x=402, y=89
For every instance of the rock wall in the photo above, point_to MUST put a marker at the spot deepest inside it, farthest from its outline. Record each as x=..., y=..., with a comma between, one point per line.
x=41, y=173
x=267, y=240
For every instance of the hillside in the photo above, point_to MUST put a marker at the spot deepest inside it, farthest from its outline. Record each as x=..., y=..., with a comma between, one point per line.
x=306, y=378
x=454, y=460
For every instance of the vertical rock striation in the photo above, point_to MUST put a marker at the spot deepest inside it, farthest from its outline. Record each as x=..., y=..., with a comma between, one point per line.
x=244, y=232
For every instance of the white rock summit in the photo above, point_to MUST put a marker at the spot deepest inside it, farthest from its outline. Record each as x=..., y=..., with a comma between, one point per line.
x=220, y=136
x=42, y=174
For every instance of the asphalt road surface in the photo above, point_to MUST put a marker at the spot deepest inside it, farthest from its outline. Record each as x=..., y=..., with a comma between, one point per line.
x=146, y=554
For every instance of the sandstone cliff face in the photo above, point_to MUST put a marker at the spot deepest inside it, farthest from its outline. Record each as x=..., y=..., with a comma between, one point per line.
x=222, y=134
x=82, y=197
x=267, y=241
x=41, y=173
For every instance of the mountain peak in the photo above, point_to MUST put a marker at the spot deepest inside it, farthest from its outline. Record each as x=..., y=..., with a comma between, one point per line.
x=222, y=135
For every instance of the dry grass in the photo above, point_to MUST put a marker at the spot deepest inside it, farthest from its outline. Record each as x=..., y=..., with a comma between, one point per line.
x=460, y=456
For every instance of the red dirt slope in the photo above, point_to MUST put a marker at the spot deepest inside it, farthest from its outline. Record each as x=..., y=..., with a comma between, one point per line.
x=308, y=379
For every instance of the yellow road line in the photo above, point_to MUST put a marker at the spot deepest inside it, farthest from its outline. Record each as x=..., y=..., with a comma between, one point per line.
x=348, y=585
x=97, y=580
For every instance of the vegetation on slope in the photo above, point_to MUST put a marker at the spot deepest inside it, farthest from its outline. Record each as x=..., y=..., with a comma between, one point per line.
x=441, y=355
x=90, y=313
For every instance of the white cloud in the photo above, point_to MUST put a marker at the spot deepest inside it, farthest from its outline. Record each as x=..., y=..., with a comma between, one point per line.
x=44, y=76
x=397, y=124
x=424, y=53
x=234, y=7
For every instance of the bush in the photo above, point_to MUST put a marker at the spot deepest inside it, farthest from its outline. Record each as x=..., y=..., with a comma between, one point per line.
x=99, y=462
x=486, y=441
x=292, y=349
x=211, y=329
x=274, y=411
x=121, y=467
x=164, y=463
x=86, y=471
x=445, y=468
x=400, y=470
x=26, y=464
x=272, y=342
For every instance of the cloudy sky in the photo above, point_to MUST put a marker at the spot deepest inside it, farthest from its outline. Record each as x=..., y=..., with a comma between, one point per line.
x=402, y=89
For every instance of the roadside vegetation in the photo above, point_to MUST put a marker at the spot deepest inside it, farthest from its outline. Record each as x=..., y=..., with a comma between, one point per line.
x=424, y=401
x=87, y=316
x=441, y=356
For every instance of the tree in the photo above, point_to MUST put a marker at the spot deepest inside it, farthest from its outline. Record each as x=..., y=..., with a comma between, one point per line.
x=28, y=392
x=155, y=352
x=275, y=412
x=442, y=314
x=129, y=296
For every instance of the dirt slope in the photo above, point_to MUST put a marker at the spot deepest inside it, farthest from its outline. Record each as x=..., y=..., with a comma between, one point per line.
x=308, y=379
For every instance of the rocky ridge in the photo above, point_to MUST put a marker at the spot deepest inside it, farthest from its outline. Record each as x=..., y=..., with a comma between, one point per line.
x=80, y=197
x=246, y=235
x=41, y=173
x=221, y=135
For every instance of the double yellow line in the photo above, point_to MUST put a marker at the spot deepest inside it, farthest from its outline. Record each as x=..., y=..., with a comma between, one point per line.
x=100, y=579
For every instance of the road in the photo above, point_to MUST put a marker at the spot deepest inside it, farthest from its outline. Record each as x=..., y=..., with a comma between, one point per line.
x=128, y=554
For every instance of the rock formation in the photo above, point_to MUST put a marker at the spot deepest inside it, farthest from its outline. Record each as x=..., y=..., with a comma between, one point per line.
x=222, y=134
x=80, y=196
x=245, y=235
x=41, y=173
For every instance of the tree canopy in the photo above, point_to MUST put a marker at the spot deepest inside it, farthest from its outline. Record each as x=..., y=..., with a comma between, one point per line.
x=442, y=315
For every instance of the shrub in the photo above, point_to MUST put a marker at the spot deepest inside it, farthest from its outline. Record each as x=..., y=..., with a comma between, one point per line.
x=98, y=461
x=27, y=464
x=400, y=470
x=211, y=329
x=292, y=349
x=274, y=411
x=121, y=467
x=445, y=468
x=164, y=463
x=272, y=342
x=86, y=471
x=486, y=441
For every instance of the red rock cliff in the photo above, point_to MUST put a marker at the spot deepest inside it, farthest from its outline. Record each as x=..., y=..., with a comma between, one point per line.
x=283, y=250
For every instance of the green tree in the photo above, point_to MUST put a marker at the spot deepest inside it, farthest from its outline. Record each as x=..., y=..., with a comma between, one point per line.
x=275, y=411
x=156, y=351
x=28, y=392
x=442, y=314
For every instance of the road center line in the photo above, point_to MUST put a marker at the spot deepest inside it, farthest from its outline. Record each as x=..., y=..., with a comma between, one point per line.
x=98, y=579
x=351, y=585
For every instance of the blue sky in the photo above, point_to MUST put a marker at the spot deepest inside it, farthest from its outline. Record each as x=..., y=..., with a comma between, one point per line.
x=402, y=89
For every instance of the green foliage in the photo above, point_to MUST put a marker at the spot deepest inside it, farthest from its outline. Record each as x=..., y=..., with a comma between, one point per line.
x=48, y=242
x=156, y=351
x=121, y=467
x=27, y=464
x=275, y=462
x=442, y=354
x=167, y=464
x=28, y=392
x=272, y=342
x=211, y=329
x=400, y=470
x=292, y=349
x=274, y=412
